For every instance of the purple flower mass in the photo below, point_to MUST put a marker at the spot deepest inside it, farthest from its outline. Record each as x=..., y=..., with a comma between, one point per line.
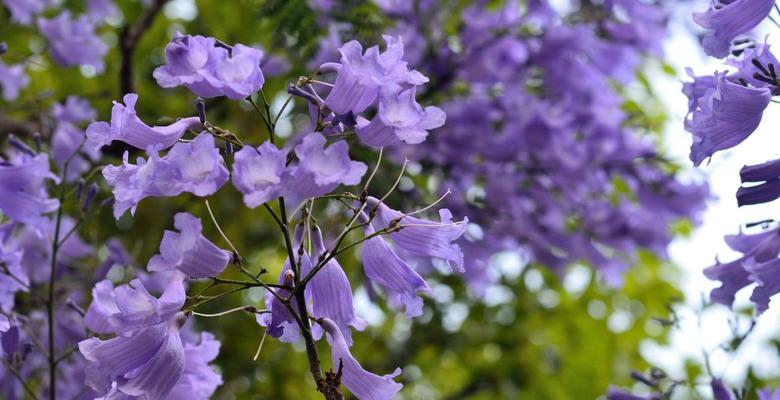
x=195, y=167
x=72, y=41
x=211, y=70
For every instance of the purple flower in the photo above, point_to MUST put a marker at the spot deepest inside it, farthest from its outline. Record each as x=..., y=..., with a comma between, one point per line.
x=146, y=363
x=23, y=11
x=726, y=115
x=66, y=140
x=719, y=390
x=23, y=196
x=400, y=119
x=363, y=384
x=12, y=80
x=126, y=127
x=194, y=167
x=695, y=90
x=767, y=275
x=73, y=41
x=384, y=267
x=757, y=194
x=279, y=322
x=75, y=109
x=189, y=251
x=130, y=307
x=422, y=238
x=768, y=394
x=362, y=75
x=331, y=294
x=13, y=278
x=756, y=248
x=760, y=172
x=747, y=67
x=99, y=10
x=321, y=169
x=209, y=70
x=257, y=173
x=198, y=381
x=725, y=20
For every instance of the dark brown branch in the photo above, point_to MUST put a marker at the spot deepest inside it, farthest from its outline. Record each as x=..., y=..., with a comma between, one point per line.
x=128, y=41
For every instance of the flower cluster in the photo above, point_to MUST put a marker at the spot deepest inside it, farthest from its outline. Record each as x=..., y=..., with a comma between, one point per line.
x=539, y=111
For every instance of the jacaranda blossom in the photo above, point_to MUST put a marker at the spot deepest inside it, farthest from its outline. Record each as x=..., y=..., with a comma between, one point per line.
x=726, y=115
x=384, y=267
x=195, y=167
x=331, y=294
x=12, y=80
x=756, y=249
x=23, y=11
x=209, y=70
x=15, y=279
x=23, y=196
x=422, y=238
x=198, y=381
x=126, y=127
x=257, y=173
x=362, y=75
x=73, y=41
x=321, y=169
x=189, y=251
x=400, y=119
x=725, y=20
x=363, y=384
x=767, y=276
x=147, y=363
x=129, y=307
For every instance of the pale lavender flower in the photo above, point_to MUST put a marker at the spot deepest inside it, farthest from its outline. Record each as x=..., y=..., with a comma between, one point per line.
x=15, y=279
x=129, y=307
x=384, y=267
x=12, y=80
x=194, y=167
x=726, y=115
x=198, y=381
x=320, y=169
x=23, y=196
x=126, y=127
x=257, y=173
x=209, y=70
x=73, y=41
x=400, y=119
x=189, y=251
x=99, y=10
x=754, y=61
x=725, y=20
x=362, y=75
x=331, y=294
x=66, y=140
x=422, y=238
x=75, y=109
x=363, y=384
x=23, y=11
x=146, y=363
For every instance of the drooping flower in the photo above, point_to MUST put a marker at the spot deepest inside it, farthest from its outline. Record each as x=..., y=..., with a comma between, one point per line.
x=757, y=194
x=726, y=20
x=257, y=173
x=362, y=75
x=384, y=267
x=331, y=294
x=726, y=115
x=400, y=119
x=756, y=248
x=72, y=41
x=146, y=363
x=23, y=196
x=12, y=80
x=320, y=169
x=422, y=238
x=126, y=127
x=129, y=307
x=211, y=70
x=194, y=167
x=189, y=251
x=767, y=276
x=755, y=66
x=363, y=384
x=760, y=172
